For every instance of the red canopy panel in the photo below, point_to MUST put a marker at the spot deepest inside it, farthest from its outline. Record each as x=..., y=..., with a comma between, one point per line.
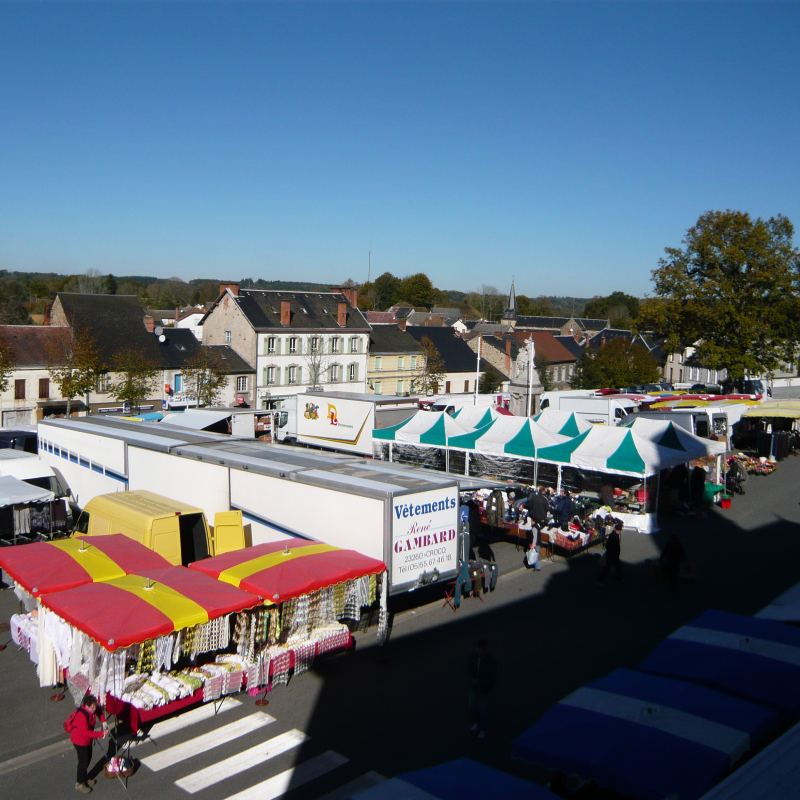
x=304, y=571
x=45, y=567
x=110, y=615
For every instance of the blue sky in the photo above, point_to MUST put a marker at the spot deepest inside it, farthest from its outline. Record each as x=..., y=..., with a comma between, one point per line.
x=565, y=144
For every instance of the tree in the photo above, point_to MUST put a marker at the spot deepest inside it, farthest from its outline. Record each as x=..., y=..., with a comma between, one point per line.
x=6, y=362
x=203, y=376
x=534, y=307
x=622, y=310
x=490, y=381
x=317, y=360
x=542, y=365
x=418, y=290
x=616, y=364
x=136, y=378
x=13, y=297
x=731, y=291
x=386, y=291
x=75, y=363
x=432, y=369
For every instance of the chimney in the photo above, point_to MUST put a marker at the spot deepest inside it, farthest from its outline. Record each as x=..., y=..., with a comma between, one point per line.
x=341, y=317
x=48, y=312
x=286, y=313
x=177, y=316
x=401, y=323
x=350, y=292
x=602, y=340
x=149, y=323
x=234, y=287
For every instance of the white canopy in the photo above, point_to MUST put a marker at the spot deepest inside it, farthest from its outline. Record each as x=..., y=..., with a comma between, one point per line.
x=195, y=419
x=15, y=492
x=666, y=433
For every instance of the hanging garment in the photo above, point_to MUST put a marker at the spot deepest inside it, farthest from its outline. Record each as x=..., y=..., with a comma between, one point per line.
x=60, y=635
x=47, y=669
x=496, y=509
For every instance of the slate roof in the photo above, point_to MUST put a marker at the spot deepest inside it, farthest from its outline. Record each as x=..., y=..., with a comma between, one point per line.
x=232, y=362
x=544, y=344
x=455, y=352
x=446, y=312
x=390, y=339
x=569, y=342
x=584, y=323
x=34, y=345
x=310, y=310
x=648, y=342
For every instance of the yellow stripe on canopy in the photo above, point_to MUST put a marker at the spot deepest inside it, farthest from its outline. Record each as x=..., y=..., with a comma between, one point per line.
x=183, y=612
x=237, y=574
x=99, y=566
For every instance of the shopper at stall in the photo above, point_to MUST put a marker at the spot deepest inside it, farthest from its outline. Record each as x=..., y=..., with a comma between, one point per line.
x=613, y=547
x=696, y=484
x=82, y=735
x=671, y=559
x=482, y=671
x=564, y=509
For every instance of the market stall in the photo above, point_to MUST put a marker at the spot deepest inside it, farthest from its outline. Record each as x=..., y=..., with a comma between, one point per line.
x=475, y=416
x=24, y=510
x=771, y=429
x=565, y=423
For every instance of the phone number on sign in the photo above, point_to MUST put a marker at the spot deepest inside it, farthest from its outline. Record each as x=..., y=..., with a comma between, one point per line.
x=417, y=561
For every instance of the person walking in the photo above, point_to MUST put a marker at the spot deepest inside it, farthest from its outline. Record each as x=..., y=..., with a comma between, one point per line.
x=613, y=547
x=82, y=735
x=482, y=671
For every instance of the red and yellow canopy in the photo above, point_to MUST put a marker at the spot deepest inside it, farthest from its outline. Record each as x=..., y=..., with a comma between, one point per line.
x=45, y=567
x=278, y=571
x=132, y=609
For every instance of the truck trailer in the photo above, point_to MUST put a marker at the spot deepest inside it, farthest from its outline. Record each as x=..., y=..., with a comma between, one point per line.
x=404, y=516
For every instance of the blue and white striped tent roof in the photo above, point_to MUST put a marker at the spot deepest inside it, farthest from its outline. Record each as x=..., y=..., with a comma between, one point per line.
x=648, y=737
x=753, y=659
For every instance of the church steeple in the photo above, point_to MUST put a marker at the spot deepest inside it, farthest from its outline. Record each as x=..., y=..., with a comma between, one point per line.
x=511, y=309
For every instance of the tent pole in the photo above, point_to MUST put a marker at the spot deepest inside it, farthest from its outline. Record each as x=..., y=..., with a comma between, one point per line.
x=446, y=454
x=535, y=470
x=390, y=452
x=466, y=463
x=558, y=483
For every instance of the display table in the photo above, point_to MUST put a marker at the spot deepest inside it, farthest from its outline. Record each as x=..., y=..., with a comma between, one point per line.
x=133, y=716
x=643, y=523
x=565, y=547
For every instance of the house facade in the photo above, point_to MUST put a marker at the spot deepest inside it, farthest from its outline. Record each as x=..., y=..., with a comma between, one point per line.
x=296, y=341
x=395, y=361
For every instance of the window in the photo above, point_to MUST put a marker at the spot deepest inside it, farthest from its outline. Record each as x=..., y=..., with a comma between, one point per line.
x=314, y=344
x=293, y=344
x=228, y=337
x=178, y=383
x=354, y=345
x=400, y=362
x=377, y=387
x=399, y=387
x=271, y=346
x=377, y=363
x=44, y=388
x=335, y=373
x=241, y=383
x=270, y=376
x=353, y=372
x=19, y=389
x=336, y=343
x=293, y=372
x=413, y=362
x=103, y=383
x=466, y=386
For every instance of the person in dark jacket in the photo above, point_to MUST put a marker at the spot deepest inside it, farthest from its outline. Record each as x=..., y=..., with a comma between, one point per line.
x=671, y=559
x=613, y=547
x=564, y=508
x=82, y=737
x=482, y=672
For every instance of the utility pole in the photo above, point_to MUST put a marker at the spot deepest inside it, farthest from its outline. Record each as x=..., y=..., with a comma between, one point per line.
x=478, y=368
x=530, y=373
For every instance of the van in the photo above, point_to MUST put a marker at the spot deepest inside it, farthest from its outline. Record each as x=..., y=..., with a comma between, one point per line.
x=174, y=530
x=703, y=421
x=607, y=410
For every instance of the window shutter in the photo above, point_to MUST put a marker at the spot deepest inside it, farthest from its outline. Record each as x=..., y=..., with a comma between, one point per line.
x=264, y=378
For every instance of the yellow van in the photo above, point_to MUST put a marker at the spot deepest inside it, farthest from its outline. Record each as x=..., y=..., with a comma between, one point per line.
x=174, y=530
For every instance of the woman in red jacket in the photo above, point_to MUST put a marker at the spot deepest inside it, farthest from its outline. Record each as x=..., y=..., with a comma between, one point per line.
x=82, y=735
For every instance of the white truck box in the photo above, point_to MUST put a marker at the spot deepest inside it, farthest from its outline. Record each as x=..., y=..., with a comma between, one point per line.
x=609, y=410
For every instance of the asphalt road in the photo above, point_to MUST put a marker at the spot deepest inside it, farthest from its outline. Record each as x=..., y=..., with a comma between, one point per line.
x=403, y=707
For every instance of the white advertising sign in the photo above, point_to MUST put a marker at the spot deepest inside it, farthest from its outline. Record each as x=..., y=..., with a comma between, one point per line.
x=335, y=422
x=424, y=534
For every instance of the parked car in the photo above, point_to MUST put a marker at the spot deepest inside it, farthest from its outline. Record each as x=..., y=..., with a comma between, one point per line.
x=705, y=388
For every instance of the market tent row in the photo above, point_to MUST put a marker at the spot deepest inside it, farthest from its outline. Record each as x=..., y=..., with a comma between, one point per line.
x=647, y=737
x=566, y=423
x=278, y=572
x=432, y=428
x=45, y=567
x=517, y=436
x=475, y=416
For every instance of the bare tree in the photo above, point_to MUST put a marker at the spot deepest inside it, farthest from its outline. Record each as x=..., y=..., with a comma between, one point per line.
x=204, y=377
x=317, y=359
x=75, y=363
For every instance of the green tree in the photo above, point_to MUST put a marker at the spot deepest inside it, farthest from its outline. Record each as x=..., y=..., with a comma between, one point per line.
x=542, y=365
x=75, y=363
x=616, y=364
x=418, y=290
x=386, y=291
x=432, y=370
x=534, y=307
x=622, y=310
x=136, y=378
x=204, y=377
x=13, y=298
x=490, y=381
x=732, y=290
x=6, y=362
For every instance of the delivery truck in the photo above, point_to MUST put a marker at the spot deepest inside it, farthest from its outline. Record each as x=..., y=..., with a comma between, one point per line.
x=405, y=516
x=605, y=410
x=340, y=421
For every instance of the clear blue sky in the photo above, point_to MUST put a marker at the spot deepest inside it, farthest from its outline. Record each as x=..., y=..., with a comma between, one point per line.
x=565, y=144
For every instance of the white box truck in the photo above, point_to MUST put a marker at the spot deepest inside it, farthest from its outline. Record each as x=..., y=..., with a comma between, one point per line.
x=404, y=516
x=608, y=410
x=340, y=421
x=703, y=421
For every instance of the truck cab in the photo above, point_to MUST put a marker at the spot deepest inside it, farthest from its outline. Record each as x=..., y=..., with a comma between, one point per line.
x=177, y=532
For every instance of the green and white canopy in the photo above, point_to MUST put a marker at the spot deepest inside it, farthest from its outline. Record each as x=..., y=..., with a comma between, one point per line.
x=665, y=433
x=564, y=422
x=508, y=436
x=475, y=416
x=432, y=428
x=613, y=449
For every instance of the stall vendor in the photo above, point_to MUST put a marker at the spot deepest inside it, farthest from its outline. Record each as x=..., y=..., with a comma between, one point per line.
x=82, y=735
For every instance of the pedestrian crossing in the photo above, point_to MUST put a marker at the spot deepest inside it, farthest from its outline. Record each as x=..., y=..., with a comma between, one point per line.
x=257, y=756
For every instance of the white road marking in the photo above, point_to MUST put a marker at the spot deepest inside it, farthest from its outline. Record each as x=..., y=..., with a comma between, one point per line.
x=207, y=741
x=241, y=761
x=188, y=718
x=275, y=787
